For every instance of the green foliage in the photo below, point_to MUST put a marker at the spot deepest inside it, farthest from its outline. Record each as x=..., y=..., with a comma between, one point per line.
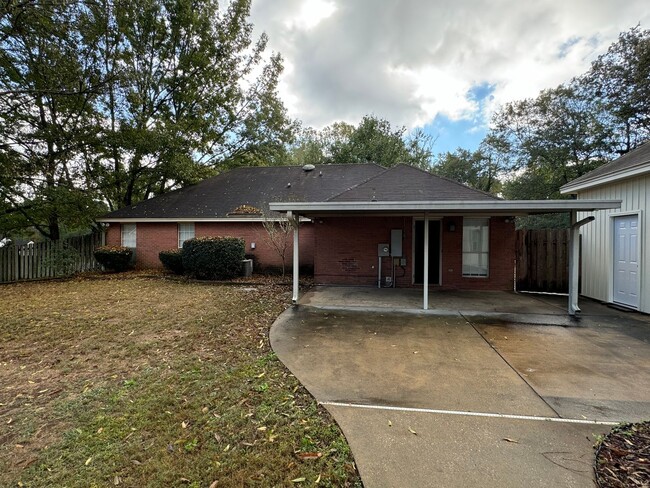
x=373, y=140
x=213, y=258
x=620, y=81
x=62, y=260
x=475, y=169
x=115, y=102
x=114, y=258
x=172, y=260
x=570, y=130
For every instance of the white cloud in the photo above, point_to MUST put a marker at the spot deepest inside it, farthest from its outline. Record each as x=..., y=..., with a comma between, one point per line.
x=410, y=60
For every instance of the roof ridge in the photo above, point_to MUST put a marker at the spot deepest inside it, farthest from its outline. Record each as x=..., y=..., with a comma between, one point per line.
x=362, y=182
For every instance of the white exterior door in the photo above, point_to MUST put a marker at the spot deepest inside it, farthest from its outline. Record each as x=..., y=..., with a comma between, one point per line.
x=626, y=260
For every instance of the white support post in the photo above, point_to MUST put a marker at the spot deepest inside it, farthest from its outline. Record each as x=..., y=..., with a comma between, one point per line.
x=574, y=260
x=296, y=260
x=425, y=286
x=573, y=265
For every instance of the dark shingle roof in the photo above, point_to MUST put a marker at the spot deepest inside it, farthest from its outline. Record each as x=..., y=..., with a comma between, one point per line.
x=218, y=196
x=636, y=157
x=403, y=183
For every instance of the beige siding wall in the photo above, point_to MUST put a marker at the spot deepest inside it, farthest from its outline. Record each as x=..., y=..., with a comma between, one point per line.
x=598, y=240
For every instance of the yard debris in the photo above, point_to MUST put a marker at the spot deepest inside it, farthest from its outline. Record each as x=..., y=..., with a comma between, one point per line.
x=307, y=456
x=623, y=457
x=508, y=439
x=412, y=431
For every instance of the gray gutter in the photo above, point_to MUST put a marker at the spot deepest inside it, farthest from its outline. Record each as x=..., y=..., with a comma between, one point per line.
x=503, y=207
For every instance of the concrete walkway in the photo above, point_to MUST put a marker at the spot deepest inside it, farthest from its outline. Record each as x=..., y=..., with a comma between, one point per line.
x=434, y=400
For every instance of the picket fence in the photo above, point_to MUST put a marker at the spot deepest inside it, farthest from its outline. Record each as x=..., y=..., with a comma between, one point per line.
x=49, y=259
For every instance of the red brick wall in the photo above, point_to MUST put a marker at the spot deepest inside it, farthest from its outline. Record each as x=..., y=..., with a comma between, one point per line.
x=502, y=256
x=151, y=238
x=346, y=252
x=265, y=254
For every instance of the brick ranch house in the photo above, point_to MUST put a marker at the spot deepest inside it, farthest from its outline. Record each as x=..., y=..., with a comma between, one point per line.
x=361, y=224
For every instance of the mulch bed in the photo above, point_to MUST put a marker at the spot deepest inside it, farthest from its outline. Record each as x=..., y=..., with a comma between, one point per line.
x=623, y=457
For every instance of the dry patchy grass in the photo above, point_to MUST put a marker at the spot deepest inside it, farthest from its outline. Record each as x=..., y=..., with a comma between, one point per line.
x=139, y=381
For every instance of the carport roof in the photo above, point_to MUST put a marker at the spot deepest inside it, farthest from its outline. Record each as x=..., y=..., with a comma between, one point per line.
x=446, y=207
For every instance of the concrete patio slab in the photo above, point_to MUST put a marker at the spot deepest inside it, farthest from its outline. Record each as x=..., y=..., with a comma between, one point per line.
x=455, y=451
x=585, y=372
x=370, y=369
x=401, y=360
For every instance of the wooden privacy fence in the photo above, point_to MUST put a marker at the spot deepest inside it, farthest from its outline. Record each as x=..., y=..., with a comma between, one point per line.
x=543, y=260
x=49, y=259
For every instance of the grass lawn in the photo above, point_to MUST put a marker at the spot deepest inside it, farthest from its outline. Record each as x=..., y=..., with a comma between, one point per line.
x=148, y=382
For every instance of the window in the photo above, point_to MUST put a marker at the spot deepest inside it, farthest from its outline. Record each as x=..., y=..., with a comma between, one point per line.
x=128, y=235
x=185, y=232
x=476, y=250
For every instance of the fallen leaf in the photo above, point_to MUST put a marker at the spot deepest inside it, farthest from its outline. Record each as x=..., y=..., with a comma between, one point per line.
x=88, y=461
x=390, y=424
x=213, y=484
x=263, y=428
x=317, y=479
x=184, y=424
x=305, y=456
x=116, y=480
x=508, y=439
x=412, y=431
x=136, y=462
x=100, y=430
x=204, y=410
x=298, y=480
x=227, y=448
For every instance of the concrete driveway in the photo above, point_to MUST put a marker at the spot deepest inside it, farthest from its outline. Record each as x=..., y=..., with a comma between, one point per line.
x=446, y=400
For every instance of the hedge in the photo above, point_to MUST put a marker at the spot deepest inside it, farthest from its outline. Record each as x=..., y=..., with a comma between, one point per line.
x=114, y=258
x=172, y=260
x=213, y=258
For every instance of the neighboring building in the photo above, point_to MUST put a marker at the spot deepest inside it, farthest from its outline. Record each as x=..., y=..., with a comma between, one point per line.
x=615, y=259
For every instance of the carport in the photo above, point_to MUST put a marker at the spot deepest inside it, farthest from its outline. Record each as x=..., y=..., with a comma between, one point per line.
x=432, y=210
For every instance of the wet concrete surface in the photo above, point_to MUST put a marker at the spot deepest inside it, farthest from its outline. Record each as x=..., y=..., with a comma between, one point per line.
x=596, y=368
x=592, y=371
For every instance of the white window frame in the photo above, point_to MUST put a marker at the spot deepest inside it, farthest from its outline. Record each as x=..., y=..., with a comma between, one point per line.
x=186, y=230
x=129, y=236
x=485, y=246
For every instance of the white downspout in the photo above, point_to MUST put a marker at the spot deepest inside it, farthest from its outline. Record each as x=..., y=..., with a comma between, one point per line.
x=574, y=260
x=425, y=286
x=296, y=260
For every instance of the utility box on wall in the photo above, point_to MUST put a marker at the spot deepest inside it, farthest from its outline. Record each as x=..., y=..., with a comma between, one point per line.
x=383, y=250
x=396, y=243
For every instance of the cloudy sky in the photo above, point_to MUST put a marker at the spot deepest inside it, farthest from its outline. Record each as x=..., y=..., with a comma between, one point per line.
x=443, y=65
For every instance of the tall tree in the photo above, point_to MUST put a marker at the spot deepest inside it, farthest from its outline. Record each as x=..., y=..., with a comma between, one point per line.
x=186, y=100
x=373, y=140
x=48, y=82
x=111, y=102
x=620, y=81
x=478, y=169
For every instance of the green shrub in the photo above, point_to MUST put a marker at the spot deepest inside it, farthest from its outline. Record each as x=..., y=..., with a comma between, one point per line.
x=172, y=260
x=114, y=258
x=213, y=258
